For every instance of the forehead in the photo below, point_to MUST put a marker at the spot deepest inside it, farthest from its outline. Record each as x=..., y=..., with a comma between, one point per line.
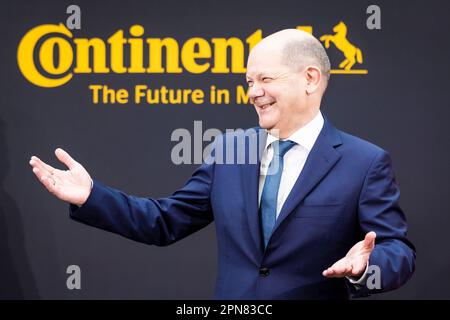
x=263, y=61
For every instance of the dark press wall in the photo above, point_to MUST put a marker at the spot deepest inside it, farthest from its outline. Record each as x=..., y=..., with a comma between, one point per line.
x=401, y=104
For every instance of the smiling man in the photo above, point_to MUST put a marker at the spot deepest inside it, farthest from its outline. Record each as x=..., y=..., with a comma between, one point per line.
x=305, y=222
x=287, y=74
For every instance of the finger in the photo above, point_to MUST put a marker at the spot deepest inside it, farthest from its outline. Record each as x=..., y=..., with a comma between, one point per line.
x=340, y=269
x=327, y=273
x=369, y=240
x=333, y=273
x=44, y=175
x=36, y=162
x=65, y=158
x=57, y=177
x=40, y=174
x=53, y=187
x=48, y=182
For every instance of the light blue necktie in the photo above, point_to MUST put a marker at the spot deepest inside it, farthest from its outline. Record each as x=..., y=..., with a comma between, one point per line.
x=269, y=196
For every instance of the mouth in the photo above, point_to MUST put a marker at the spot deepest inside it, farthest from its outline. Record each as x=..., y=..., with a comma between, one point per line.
x=265, y=106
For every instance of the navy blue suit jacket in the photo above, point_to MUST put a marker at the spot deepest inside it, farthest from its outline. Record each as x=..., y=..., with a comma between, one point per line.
x=346, y=189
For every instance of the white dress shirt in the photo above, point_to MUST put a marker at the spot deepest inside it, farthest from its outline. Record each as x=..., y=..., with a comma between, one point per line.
x=294, y=159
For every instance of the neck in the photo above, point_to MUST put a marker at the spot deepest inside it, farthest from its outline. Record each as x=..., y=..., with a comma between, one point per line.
x=288, y=130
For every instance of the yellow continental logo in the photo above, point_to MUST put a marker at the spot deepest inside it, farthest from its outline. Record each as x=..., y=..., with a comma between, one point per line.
x=36, y=58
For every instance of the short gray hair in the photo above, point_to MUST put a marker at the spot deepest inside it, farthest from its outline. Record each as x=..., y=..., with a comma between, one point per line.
x=298, y=53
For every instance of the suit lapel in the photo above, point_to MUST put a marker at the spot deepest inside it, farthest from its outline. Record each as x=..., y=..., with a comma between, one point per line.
x=320, y=161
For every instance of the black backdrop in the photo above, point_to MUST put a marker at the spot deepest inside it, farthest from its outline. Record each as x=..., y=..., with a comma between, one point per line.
x=401, y=105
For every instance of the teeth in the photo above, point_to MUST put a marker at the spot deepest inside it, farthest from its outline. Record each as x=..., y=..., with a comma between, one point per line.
x=267, y=105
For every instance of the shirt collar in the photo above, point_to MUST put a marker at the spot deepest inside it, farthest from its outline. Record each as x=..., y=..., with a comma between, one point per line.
x=306, y=136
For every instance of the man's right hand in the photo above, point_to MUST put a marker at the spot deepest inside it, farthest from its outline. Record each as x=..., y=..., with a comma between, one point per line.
x=73, y=185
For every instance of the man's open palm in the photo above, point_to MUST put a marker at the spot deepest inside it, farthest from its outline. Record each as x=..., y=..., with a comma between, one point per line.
x=355, y=262
x=73, y=185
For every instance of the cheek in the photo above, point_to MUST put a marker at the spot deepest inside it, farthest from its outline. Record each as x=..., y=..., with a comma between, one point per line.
x=295, y=96
x=271, y=91
x=281, y=93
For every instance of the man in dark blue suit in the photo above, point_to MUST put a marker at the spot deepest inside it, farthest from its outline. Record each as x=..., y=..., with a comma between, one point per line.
x=302, y=210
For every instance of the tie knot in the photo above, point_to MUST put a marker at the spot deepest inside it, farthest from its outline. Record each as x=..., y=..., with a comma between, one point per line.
x=281, y=147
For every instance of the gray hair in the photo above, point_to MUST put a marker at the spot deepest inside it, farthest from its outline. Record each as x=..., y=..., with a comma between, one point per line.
x=298, y=53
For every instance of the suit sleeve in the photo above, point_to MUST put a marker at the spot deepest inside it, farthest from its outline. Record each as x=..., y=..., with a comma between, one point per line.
x=379, y=211
x=158, y=222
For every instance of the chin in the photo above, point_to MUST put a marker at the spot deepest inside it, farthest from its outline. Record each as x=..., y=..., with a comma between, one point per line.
x=267, y=124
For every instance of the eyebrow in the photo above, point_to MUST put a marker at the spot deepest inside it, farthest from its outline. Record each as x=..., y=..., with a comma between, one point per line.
x=258, y=75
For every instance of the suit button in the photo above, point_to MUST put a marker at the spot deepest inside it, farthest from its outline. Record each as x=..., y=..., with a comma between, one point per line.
x=264, y=272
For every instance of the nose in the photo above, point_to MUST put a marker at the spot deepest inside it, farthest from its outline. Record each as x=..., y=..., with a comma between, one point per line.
x=255, y=91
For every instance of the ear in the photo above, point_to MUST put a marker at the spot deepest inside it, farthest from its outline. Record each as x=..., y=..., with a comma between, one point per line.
x=313, y=79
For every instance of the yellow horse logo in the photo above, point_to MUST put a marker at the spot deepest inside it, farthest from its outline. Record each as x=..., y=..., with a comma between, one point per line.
x=350, y=51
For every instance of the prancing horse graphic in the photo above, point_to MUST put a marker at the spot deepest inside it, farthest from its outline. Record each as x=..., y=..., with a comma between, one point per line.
x=349, y=50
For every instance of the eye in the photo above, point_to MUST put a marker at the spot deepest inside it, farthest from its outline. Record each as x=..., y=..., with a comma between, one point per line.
x=249, y=83
x=266, y=79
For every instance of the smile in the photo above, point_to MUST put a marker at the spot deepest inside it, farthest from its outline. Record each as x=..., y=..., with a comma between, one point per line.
x=265, y=106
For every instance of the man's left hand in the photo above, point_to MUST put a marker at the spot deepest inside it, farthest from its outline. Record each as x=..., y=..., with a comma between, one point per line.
x=355, y=262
